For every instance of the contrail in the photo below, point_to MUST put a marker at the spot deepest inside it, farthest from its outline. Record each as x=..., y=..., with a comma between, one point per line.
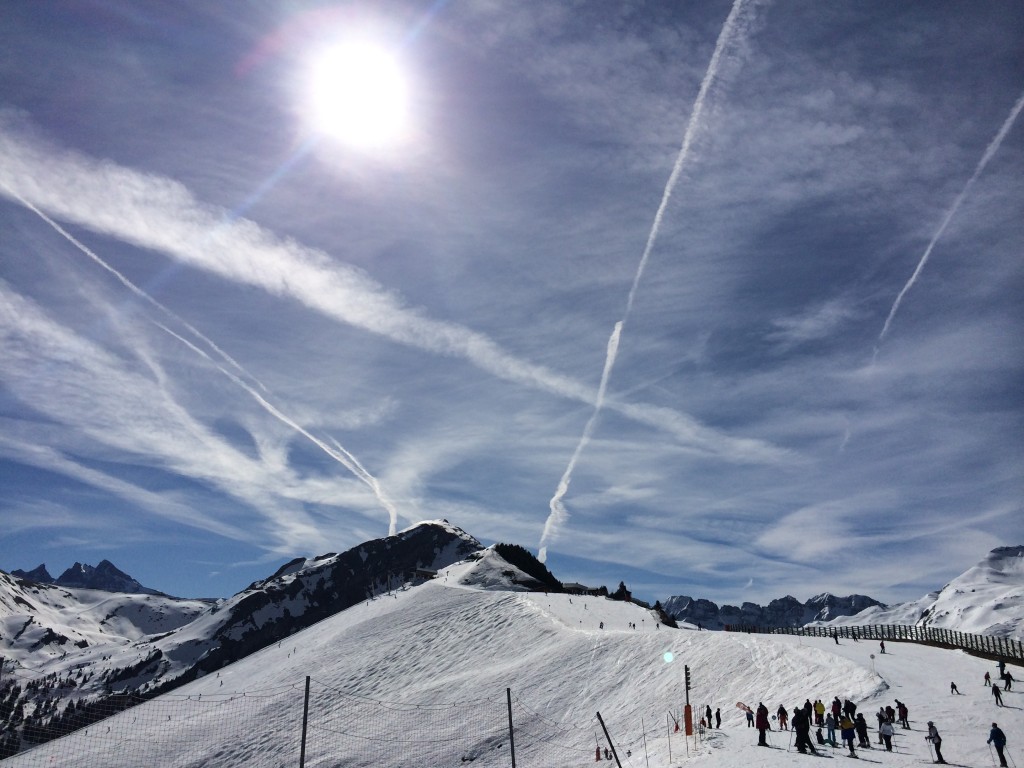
x=339, y=454
x=992, y=148
x=558, y=513
x=128, y=283
x=732, y=27
x=162, y=215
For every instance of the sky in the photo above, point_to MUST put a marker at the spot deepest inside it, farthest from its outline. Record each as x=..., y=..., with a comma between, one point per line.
x=717, y=299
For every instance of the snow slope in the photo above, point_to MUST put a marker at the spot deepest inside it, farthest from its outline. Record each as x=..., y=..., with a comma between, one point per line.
x=419, y=678
x=985, y=599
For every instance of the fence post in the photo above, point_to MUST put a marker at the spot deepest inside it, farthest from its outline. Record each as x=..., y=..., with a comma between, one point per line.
x=305, y=722
x=511, y=735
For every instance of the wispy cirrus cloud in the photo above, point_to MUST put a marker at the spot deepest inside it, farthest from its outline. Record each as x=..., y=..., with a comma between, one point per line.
x=160, y=214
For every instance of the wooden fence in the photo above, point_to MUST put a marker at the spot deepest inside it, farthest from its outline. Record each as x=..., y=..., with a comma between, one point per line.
x=1004, y=648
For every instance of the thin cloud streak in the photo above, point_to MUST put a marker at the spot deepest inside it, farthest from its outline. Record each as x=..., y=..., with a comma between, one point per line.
x=558, y=515
x=339, y=454
x=160, y=214
x=990, y=151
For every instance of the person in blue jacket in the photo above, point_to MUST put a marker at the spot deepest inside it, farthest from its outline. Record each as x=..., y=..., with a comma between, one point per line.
x=998, y=739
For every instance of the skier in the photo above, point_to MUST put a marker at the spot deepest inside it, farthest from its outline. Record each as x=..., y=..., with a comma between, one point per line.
x=718, y=717
x=830, y=724
x=846, y=731
x=783, y=718
x=998, y=695
x=763, y=725
x=707, y=715
x=935, y=740
x=837, y=707
x=750, y=717
x=1007, y=679
x=988, y=679
x=802, y=726
x=861, y=726
x=998, y=738
x=886, y=731
x=953, y=689
x=903, y=712
x=881, y=644
x=819, y=712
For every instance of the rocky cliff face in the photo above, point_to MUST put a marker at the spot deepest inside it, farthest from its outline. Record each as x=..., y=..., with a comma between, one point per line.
x=105, y=576
x=782, y=612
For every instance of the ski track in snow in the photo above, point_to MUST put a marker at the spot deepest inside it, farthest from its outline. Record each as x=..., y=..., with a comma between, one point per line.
x=448, y=644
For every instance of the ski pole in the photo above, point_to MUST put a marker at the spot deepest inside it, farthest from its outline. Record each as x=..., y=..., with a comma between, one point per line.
x=930, y=750
x=790, y=741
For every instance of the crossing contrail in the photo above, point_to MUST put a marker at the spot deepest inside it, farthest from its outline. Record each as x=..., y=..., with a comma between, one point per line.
x=735, y=25
x=337, y=452
x=992, y=148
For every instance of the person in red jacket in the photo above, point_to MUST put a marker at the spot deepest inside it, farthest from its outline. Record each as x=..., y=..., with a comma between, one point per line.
x=763, y=726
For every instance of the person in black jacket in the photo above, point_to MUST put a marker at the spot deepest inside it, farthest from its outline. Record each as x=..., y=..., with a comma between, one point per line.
x=801, y=723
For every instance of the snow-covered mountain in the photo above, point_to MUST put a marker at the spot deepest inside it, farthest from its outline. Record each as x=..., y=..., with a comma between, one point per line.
x=783, y=612
x=432, y=675
x=149, y=643
x=987, y=599
x=83, y=647
x=105, y=576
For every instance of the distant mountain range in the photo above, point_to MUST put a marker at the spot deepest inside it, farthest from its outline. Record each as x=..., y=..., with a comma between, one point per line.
x=105, y=576
x=783, y=612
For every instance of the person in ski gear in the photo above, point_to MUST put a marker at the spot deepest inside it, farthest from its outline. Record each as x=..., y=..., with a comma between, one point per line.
x=1007, y=679
x=846, y=731
x=953, y=689
x=881, y=644
x=819, y=712
x=988, y=679
x=821, y=739
x=860, y=725
x=901, y=708
x=835, y=636
x=750, y=717
x=837, y=707
x=707, y=715
x=783, y=718
x=998, y=695
x=880, y=716
x=763, y=726
x=718, y=717
x=998, y=739
x=830, y=724
x=886, y=731
x=802, y=727
x=935, y=740
x=849, y=709
x=890, y=714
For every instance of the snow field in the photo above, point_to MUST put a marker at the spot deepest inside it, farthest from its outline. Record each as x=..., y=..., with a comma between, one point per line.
x=419, y=678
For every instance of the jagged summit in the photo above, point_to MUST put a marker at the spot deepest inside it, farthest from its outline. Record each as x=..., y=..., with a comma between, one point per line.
x=38, y=574
x=782, y=612
x=105, y=576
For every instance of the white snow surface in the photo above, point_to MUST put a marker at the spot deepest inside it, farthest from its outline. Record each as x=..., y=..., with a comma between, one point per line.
x=460, y=640
x=985, y=599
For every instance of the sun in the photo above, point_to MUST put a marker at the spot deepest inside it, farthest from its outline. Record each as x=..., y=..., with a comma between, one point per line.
x=357, y=94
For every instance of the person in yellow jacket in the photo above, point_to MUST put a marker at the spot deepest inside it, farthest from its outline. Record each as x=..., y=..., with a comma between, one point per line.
x=846, y=731
x=819, y=712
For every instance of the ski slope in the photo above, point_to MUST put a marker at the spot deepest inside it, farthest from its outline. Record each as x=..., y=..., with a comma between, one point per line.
x=419, y=678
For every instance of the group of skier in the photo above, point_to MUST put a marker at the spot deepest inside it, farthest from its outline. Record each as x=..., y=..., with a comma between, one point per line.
x=842, y=716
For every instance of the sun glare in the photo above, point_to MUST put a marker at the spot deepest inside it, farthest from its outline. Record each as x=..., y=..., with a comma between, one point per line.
x=357, y=95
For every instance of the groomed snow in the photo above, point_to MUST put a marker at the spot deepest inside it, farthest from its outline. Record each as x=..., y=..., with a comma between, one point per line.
x=419, y=678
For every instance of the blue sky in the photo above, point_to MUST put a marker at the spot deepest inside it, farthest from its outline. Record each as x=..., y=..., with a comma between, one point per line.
x=230, y=337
